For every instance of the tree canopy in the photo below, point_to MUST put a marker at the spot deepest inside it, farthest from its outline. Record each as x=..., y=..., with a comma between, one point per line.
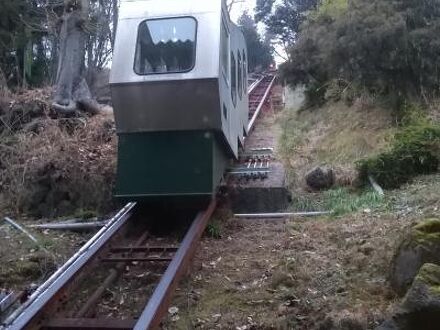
x=385, y=47
x=260, y=51
x=22, y=32
x=30, y=33
x=284, y=19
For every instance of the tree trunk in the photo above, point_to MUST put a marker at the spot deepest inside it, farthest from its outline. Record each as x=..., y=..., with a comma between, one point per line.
x=4, y=93
x=3, y=83
x=115, y=22
x=72, y=92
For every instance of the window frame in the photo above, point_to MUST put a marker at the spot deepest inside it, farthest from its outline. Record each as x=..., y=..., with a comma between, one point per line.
x=240, y=75
x=233, y=88
x=245, y=73
x=226, y=75
x=168, y=72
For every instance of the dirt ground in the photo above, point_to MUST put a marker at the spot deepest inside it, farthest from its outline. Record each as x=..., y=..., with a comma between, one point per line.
x=299, y=273
x=314, y=273
x=24, y=264
x=326, y=273
x=51, y=169
x=293, y=274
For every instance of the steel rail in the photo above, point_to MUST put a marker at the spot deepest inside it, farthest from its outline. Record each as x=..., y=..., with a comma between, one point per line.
x=9, y=300
x=157, y=306
x=255, y=84
x=260, y=106
x=49, y=289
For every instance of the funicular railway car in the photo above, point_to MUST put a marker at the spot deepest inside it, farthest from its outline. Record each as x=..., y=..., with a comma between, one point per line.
x=179, y=90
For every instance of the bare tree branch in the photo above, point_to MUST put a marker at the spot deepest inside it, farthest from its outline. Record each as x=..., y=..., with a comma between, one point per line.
x=284, y=57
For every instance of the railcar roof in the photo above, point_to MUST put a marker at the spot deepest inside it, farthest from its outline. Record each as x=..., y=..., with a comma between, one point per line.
x=157, y=8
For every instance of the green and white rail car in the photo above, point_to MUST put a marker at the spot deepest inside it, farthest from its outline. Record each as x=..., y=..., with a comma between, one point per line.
x=179, y=90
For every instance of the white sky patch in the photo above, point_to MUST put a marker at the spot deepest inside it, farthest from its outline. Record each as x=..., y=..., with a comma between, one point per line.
x=249, y=5
x=239, y=8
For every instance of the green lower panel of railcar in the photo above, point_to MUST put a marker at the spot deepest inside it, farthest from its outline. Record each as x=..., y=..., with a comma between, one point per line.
x=169, y=165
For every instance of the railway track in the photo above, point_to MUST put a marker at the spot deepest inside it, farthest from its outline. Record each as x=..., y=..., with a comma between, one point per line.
x=258, y=94
x=72, y=298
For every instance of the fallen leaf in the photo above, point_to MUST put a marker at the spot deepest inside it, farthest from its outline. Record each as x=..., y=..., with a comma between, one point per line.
x=173, y=310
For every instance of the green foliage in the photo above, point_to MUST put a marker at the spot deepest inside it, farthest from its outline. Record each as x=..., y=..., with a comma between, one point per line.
x=259, y=51
x=283, y=18
x=315, y=94
x=331, y=8
x=214, y=230
x=30, y=36
x=341, y=201
x=85, y=215
x=415, y=151
x=409, y=113
x=292, y=132
x=386, y=47
x=304, y=203
x=429, y=275
x=426, y=232
x=24, y=41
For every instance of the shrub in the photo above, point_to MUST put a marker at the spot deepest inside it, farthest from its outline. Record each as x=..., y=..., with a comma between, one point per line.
x=388, y=47
x=331, y=8
x=214, y=230
x=410, y=114
x=315, y=95
x=53, y=167
x=415, y=151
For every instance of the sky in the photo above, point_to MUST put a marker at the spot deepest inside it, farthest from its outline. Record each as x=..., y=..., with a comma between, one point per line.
x=249, y=5
x=239, y=8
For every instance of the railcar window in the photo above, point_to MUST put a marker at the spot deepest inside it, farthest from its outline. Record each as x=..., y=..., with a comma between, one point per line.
x=240, y=77
x=225, y=51
x=245, y=73
x=233, y=79
x=166, y=46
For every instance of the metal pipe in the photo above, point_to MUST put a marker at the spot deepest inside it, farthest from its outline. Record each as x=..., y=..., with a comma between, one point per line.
x=25, y=313
x=271, y=149
x=71, y=226
x=376, y=186
x=249, y=172
x=279, y=215
x=29, y=235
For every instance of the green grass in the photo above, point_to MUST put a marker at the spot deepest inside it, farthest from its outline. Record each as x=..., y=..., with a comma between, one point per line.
x=341, y=201
x=292, y=132
x=306, y=203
